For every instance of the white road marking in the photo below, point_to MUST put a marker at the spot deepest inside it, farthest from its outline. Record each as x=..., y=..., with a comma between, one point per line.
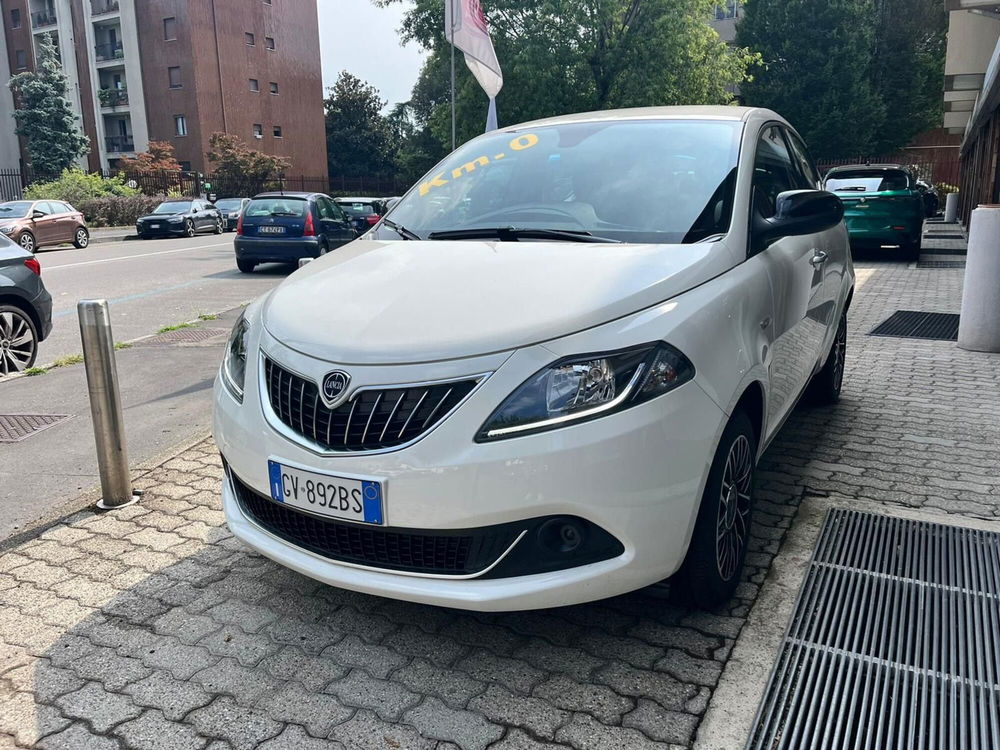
x=131, y=257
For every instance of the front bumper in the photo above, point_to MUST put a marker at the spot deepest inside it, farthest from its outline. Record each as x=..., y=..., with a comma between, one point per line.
x=275, y=249
x=164, y=230
x=637, y=474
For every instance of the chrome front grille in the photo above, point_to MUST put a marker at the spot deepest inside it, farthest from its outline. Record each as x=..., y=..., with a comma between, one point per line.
x=372, y=419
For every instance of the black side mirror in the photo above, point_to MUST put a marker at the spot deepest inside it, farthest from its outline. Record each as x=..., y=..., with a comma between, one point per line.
x=36, y=214
x=799, y=212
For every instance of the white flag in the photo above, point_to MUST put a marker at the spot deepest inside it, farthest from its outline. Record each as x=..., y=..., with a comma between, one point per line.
x=465, y=27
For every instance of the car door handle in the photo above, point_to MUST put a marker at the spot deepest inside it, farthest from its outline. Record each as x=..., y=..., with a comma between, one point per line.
x=765, y=323
x=819, y=258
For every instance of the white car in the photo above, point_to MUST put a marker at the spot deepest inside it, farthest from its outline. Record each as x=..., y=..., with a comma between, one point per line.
x=547, y=375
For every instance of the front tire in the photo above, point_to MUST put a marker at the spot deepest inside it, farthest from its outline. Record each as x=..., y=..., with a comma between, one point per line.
x=18, y=340
x=246, y=266
x=189, y=230
x=27, y=241
x=81, y=239
x=714, y=563
x=826, y=384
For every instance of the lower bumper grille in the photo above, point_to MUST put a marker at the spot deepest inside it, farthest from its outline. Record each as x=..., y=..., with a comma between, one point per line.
x=459, y=552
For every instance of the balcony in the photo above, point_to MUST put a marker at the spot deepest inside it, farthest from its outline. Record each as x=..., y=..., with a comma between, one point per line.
x=102, y=7
x=43, y=18
x=119, y=144
x=113, y=97
x=110, y=51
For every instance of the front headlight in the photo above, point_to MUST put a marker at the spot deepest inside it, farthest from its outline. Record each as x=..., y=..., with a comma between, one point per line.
x=234, y=366
x=6, y=230
x=581, y=388
x=175, y=220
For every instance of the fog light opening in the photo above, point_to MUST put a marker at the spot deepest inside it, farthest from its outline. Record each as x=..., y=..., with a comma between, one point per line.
x=562, y=535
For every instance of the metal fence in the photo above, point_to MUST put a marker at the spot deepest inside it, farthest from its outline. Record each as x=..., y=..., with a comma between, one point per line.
x=14, y=181
x=933, y=164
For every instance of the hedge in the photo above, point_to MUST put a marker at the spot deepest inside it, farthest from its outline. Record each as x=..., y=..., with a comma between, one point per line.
x=118, y=211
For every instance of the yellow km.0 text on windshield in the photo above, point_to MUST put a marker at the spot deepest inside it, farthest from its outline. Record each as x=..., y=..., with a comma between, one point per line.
x=521, y=143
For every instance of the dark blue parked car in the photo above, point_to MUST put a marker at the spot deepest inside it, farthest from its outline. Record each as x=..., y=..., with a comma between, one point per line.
x=25, y=308
x=285, y=227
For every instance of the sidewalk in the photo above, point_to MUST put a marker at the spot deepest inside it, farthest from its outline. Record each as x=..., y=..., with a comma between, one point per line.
x=112, y=234
x=152, y=627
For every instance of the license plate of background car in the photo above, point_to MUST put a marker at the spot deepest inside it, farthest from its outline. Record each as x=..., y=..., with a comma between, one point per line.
x=343, y=498
x=893, y=643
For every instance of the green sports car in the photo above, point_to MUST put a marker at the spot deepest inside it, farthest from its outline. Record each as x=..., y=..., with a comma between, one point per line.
x=882, y=205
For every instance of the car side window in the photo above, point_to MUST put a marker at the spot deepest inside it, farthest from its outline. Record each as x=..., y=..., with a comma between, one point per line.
x=325, y=211
x=805, y=163
x=773, y=171
x=44, y=207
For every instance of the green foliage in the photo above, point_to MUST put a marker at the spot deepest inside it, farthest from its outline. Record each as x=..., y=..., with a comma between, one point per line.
x=175, y=327
x=855, y=77
x=76, y=186
x=43, y=114
x=233, y=159
x=562, y=56
x=358, y=138
x=118, y=211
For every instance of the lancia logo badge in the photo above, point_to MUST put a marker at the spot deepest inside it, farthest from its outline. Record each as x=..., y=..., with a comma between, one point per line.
x=335, y=386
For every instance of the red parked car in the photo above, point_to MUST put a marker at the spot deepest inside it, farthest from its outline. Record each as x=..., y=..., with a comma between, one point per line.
x=363, y=212
x=35, y=224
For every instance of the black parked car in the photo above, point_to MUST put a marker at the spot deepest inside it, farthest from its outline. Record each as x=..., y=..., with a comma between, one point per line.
x=25, y=308
x=231, y=208
x=364, y=212
x=182, y=217
x=284, y=227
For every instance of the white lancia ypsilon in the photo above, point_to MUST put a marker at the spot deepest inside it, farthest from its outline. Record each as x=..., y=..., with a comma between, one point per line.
x=547, y=374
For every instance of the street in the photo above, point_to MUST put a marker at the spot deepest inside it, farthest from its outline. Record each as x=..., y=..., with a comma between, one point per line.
x=148, y=283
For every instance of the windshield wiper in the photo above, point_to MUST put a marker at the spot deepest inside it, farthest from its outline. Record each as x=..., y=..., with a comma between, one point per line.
x=402, y=231
x=515, y=234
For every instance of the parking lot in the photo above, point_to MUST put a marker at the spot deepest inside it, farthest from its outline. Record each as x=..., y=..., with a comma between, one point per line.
x=152, y=627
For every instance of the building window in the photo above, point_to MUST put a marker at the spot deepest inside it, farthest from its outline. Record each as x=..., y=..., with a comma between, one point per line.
x=21, y=59
x=174, y=76
x=274, y=87
x=254, y=85
x=269, y=42
x=277, y=131
x=258, y=131
x=169, y=29
x=180, y=125
x=250, y=39
x=15, y=18
x=725, y=10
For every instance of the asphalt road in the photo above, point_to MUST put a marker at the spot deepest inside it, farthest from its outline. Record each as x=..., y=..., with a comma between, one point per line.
x=166, y=390
x=148, y=283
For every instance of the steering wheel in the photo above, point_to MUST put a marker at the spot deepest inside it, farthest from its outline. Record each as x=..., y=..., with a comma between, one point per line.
x=531, y=209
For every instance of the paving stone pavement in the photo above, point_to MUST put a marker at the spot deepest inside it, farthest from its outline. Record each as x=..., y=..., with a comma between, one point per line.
x=152, y=627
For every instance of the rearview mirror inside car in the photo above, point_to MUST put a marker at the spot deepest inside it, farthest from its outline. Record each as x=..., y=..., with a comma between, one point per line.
x=799, y=212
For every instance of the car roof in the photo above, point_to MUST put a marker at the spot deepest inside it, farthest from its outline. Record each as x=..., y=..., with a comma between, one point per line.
x=357, y=200
x=285, y=194
x=719, y=112
x=869, y=166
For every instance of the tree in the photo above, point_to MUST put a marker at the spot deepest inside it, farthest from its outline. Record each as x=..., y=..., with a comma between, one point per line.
x=855, y=77
x=159, y=157
x=241, y=170
x=44, y=117
x=359, y=139
x=564, y=56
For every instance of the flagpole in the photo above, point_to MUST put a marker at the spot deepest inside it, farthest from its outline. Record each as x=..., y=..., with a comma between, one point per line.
x=451, y=3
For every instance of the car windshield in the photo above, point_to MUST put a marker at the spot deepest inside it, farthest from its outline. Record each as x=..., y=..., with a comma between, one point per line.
x=357, y=208
x=173, y=207
x=229, y=204
x=667, y=181
x=15, y=209
x=280, y=206
x=867, y=181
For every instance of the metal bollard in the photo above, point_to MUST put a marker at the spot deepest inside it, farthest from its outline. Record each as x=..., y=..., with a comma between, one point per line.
x=105, y=404
x=951, y=208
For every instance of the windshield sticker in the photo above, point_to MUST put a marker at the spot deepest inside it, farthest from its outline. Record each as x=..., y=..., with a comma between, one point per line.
x=521, y=143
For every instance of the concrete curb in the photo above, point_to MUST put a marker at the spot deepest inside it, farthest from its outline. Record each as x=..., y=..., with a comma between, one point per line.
x=99, y=240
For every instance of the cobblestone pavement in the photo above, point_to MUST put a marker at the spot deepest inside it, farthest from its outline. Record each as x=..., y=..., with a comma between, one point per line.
x=152, y=627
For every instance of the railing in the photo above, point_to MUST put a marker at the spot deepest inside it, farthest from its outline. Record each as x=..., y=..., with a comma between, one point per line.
x=43, y=18
x=112, y=97
x=110, y=51
x=119, y=144
x=100, y=7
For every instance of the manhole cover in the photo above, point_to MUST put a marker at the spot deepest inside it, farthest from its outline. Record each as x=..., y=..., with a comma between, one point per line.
x=894, y=642
x=182, y=336
x=908, y=324
x=941, y=264
x=16, y=427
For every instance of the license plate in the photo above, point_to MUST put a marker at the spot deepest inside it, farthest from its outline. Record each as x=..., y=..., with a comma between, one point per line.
x=271, y=230
x=154, y=226
x=345, y=498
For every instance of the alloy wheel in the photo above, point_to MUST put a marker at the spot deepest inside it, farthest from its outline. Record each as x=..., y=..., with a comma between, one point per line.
x=82, y=238
x=189, y=228
x=17, y=342
x=732, y=525
x=27, y=241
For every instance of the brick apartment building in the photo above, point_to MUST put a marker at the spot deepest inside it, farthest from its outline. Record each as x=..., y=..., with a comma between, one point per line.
x=177, y=71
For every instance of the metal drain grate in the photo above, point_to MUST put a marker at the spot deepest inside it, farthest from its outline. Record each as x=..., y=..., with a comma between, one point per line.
x=941, y=264
x=17, y=427
x=943, y=236
x=909, y=324
x=182, y=336
x=944, y=250
x=894, y=642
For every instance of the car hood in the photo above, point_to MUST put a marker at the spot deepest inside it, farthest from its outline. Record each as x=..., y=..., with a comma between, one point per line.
x=158, y=217
x=375, y=302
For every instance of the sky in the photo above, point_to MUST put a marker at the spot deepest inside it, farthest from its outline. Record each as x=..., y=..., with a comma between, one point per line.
x=358, y=37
